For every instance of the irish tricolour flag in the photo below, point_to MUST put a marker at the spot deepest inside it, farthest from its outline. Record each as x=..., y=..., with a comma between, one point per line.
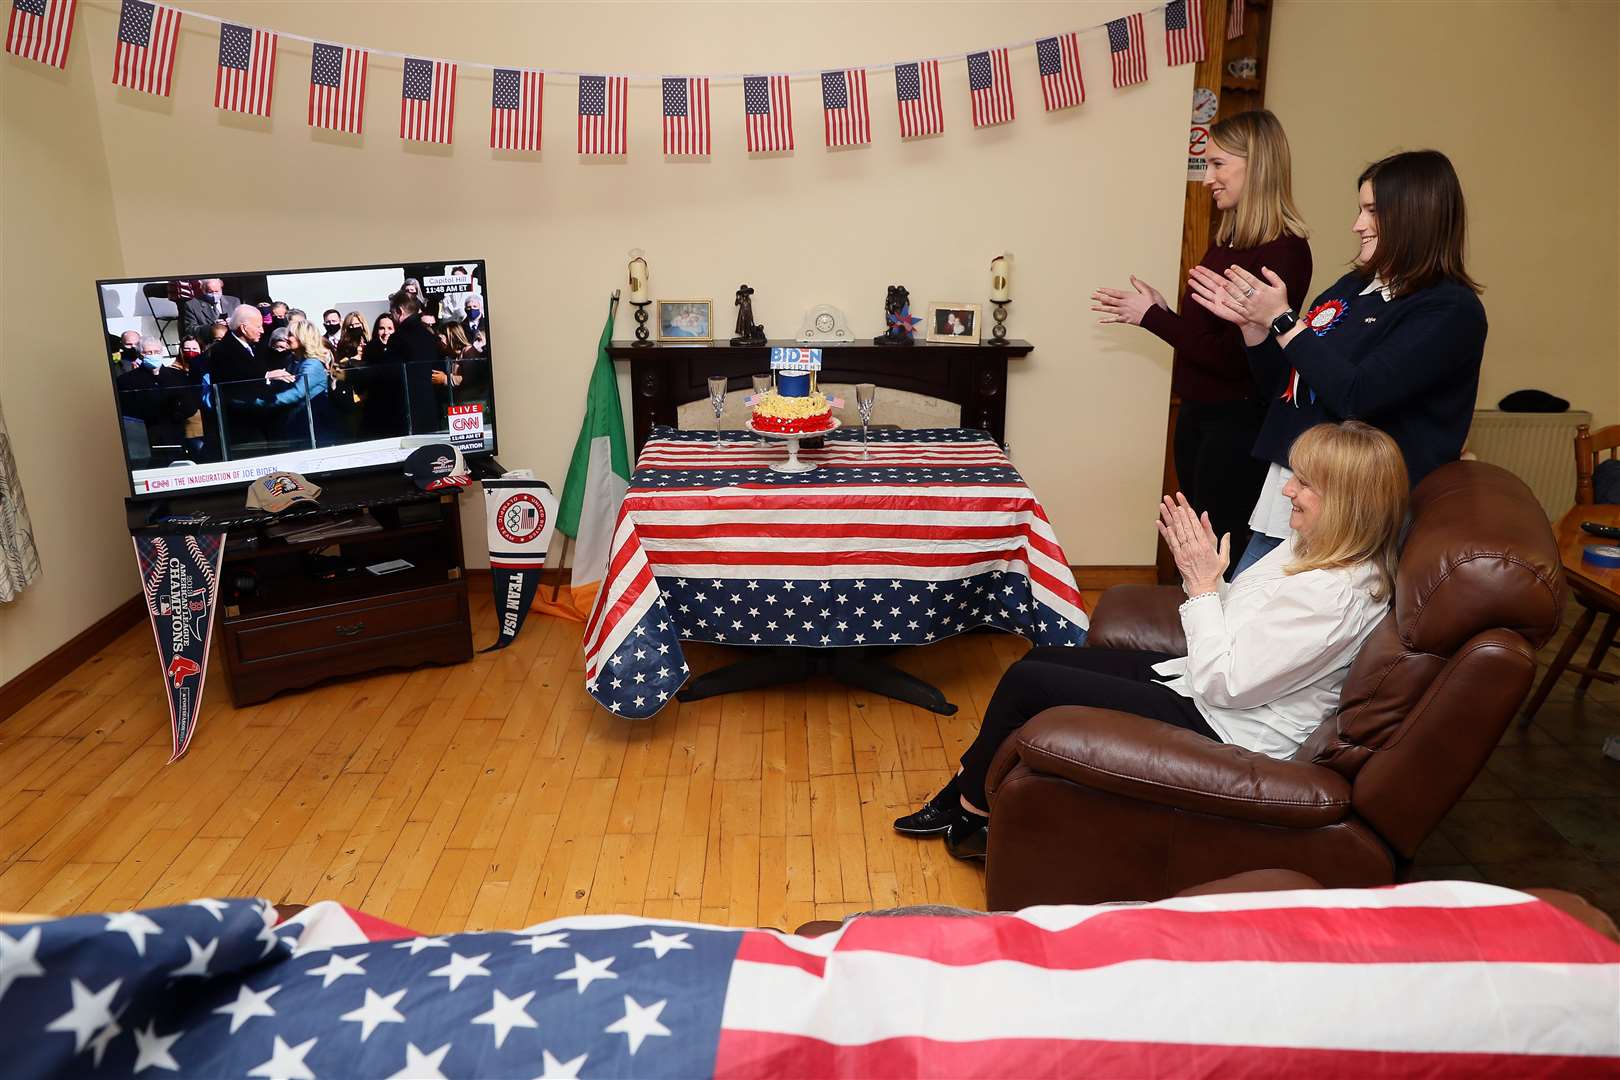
x=597, y=480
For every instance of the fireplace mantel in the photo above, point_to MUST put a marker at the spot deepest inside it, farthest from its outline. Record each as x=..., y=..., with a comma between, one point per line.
x=663, y=377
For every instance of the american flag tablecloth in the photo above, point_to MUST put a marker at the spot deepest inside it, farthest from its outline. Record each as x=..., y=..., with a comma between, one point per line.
x=1438, y=979
x=932, y=534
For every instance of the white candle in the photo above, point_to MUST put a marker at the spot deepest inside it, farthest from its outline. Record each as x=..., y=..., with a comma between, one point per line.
x=638, y=280
x=1000, y=278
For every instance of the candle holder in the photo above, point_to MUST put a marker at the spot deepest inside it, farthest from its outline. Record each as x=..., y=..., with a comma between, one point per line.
x=642, y=334
x=998, y=332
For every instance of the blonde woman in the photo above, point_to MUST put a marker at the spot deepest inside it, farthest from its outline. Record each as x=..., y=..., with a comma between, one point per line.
x=1222, y=409
x=306, y=404
x=1266, y=655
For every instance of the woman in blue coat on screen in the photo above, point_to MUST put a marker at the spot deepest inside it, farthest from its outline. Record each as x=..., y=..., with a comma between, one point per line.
x=1396, y=342
x=306, y=400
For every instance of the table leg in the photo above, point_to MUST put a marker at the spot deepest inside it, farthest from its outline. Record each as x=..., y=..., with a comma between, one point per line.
x=853, y=667
x=1599, y=651
x=1577, y=634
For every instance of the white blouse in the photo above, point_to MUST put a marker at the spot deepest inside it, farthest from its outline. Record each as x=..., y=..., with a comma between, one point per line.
x=1268, y=654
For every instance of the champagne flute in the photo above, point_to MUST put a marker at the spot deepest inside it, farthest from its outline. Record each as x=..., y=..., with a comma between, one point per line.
x=762, y=383
x=717, y=398
x=864, y=394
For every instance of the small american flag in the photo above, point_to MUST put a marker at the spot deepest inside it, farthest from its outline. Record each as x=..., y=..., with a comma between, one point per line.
x=1127, y=50
x=247, y=69
x=916, y=87
x=337, y=87
x=1059, y=61
x=514, y=111
x=844, y=107
x=768, y=109
x=990, y=81
x=40, y=30
x=1234, y=19
x=427, y=101
x=144, y=57
x=601, y=113
x=686, y=117
x=1184, y=39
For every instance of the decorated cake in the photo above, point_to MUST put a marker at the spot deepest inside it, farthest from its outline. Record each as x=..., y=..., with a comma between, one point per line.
x=793, y=405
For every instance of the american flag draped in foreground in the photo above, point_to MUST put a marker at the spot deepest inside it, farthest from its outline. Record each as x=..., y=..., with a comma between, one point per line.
x=1438, y=979
x=143, y=57
x=247, y=69
x=934, y=535
x=41, y=30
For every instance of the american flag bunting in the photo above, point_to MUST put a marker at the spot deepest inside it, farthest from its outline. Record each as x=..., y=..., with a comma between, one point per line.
x=602, y=114
x=1234, y=19
x=143, y=58
x=1185, y=39
x=247, y=69
x=917, y=91
x=686, y=117
x=1128, y=50
x=337, y=87
x=931, y=535
x=41, y=30
x=844, y=107
x=514, y=109
x=768, y=113
x=1058, y=58
x=990, y=83
x=427, y=101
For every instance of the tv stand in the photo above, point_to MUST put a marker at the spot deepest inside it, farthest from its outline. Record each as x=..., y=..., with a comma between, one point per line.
x=295, y=612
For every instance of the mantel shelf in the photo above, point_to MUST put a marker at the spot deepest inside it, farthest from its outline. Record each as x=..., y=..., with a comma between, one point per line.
x=629, y=350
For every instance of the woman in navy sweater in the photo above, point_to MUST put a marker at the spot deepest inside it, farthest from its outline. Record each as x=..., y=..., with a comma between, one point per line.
x=1396, y=342
x=1250, y=180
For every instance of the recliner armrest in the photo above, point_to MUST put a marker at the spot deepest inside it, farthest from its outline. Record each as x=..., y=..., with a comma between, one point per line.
x=1146, y=617
x=1141, y=758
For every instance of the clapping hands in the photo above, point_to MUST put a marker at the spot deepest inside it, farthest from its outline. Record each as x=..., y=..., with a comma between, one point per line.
x=1200, y=556
x=1119, y=306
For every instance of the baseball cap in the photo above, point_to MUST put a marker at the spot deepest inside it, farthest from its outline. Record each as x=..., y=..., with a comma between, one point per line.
x=278, y=490
x=436, y=466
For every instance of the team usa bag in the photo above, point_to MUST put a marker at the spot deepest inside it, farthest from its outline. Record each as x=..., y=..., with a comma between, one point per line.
x=180, y=578
x=522, y=514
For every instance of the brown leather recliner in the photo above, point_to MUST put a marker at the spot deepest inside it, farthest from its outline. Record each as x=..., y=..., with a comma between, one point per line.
x=1090, y=805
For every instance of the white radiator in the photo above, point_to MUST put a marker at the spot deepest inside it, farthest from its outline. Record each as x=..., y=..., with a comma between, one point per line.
x=1538, y=448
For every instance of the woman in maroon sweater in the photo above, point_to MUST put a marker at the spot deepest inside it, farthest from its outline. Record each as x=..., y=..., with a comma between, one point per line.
x=1249, y=177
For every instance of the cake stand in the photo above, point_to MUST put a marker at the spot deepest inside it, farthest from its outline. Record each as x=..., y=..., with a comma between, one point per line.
x=793, y=464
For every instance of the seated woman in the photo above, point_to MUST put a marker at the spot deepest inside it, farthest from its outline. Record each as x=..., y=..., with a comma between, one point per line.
x=1266, y=655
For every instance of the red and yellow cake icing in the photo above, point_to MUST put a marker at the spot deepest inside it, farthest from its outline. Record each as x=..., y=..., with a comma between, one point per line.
x=793, y=415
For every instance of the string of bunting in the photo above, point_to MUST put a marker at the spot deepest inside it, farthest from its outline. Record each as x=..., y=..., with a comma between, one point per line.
x=144, y=53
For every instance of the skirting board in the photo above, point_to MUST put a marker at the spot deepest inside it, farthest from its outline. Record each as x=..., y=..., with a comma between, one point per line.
x=44, y=673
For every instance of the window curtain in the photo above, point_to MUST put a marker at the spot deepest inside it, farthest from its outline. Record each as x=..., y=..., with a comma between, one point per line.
x=19, y=558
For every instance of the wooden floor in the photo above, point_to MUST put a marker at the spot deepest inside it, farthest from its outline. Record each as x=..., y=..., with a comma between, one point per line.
x=487, y=795
x=495, y=794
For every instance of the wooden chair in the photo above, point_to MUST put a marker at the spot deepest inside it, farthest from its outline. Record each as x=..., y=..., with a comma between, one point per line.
x=1589, y=447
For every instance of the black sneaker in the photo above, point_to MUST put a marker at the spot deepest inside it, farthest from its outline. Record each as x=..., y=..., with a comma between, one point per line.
x=968, y=836
x=932, y=820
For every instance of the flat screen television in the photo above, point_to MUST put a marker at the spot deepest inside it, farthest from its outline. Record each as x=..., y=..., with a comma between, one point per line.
x=215, y=383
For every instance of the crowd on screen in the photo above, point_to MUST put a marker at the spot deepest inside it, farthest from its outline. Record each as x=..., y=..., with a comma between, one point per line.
x=252, y=379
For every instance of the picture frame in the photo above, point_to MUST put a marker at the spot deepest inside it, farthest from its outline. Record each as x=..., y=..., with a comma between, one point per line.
x=679, y=321
x=953, y=324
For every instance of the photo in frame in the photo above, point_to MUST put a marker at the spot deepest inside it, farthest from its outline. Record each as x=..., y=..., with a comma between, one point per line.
x=685, y=320
x=953, y=324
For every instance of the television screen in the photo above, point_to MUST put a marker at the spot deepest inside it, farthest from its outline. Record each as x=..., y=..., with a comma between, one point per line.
x=220, y=379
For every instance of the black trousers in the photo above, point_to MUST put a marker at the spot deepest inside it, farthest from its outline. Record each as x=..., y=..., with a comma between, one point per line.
x=1120, y=679
x=1214, y=446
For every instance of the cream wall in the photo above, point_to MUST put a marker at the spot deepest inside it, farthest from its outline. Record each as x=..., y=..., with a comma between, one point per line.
x=58, y=236
x=1524, y=98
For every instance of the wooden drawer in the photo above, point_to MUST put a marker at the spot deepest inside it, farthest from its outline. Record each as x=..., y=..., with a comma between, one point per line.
x=351, y=625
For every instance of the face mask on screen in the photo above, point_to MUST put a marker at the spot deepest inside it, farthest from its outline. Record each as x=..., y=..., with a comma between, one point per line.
x=130, y=354
x=155, y=361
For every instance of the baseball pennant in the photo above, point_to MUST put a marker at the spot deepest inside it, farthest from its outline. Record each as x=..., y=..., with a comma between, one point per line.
x=522, y=515
x=180, y=577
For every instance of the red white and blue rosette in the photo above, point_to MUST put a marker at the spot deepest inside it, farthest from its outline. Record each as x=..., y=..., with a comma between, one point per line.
x=1325, y=316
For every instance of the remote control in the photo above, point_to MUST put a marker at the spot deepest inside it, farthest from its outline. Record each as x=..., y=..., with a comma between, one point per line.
x=1608, y=532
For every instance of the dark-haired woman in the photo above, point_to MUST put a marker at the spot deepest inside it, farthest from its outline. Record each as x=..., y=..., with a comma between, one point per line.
x=1396, y=342
x=1250, y=181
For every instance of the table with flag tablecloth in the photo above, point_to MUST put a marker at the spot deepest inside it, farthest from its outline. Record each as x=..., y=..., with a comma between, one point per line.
x=930, y=534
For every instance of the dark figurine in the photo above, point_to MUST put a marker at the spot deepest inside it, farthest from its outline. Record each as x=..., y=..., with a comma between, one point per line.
x=900, y=325
x=749, y=332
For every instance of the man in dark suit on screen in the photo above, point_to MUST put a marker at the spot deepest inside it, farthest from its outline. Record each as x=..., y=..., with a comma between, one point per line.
x=402, y=398
x=212, y=306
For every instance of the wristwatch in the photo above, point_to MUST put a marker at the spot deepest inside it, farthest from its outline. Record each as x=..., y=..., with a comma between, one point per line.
x=1283, y=323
